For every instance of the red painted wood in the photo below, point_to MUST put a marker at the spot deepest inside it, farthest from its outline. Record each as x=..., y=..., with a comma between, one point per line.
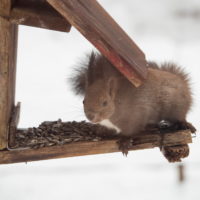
x=106, y=35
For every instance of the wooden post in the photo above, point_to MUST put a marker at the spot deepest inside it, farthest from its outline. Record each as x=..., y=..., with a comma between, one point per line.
x=5, y=7
x=181, y=173
x=8, y=50
x=106, y=35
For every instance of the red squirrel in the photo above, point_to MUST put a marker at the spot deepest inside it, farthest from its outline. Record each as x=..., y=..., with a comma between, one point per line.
x=111, y=100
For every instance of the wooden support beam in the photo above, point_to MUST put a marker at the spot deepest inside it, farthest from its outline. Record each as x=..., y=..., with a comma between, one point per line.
x=40, y=17
x=8, y=51
x=145, y=141
x=106, y=35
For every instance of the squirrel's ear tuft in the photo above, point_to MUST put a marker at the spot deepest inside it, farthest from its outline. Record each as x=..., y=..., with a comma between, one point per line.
x=112, y=85
x=82, y=74
x=79, y=80
x=92, y=58
x=91, y=66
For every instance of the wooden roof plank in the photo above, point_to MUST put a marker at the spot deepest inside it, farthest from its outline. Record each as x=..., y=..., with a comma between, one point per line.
x=39, y=17
x=106, y=35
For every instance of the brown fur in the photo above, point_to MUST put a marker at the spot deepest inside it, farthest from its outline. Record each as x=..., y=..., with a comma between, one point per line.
x=164, y=95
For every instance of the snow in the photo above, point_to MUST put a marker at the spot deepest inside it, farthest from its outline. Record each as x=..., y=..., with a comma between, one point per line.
x=45, y=62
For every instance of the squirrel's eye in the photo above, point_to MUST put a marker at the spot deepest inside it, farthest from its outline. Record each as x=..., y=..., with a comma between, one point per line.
x=83, y=101
x=105, y=103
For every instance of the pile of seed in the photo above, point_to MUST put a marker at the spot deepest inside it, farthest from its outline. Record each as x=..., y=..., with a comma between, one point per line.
x=59, y=133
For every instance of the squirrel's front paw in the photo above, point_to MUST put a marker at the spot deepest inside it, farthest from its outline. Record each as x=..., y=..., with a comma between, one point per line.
x=185, y=125
x=188, y=125
x=124, y=144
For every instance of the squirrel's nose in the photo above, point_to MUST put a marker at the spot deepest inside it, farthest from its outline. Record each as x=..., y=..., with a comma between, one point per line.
x=90, y=116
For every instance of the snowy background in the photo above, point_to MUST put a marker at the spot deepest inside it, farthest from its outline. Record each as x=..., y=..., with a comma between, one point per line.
x=165, y=31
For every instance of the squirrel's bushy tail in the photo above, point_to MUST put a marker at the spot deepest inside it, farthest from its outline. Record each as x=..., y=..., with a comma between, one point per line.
x=171, y=68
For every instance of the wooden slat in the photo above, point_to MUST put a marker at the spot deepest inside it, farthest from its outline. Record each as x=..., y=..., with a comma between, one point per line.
x=106, y=35
x=39, y=17
x=89, y=148
x=8, y=51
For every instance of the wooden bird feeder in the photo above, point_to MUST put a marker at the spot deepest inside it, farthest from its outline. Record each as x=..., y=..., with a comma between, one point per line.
x=95, y=24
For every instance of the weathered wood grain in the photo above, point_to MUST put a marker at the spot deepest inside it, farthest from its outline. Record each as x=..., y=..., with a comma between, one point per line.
x=39, y=17
x=106, y=35
x=8, y=51
x=89, y=148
